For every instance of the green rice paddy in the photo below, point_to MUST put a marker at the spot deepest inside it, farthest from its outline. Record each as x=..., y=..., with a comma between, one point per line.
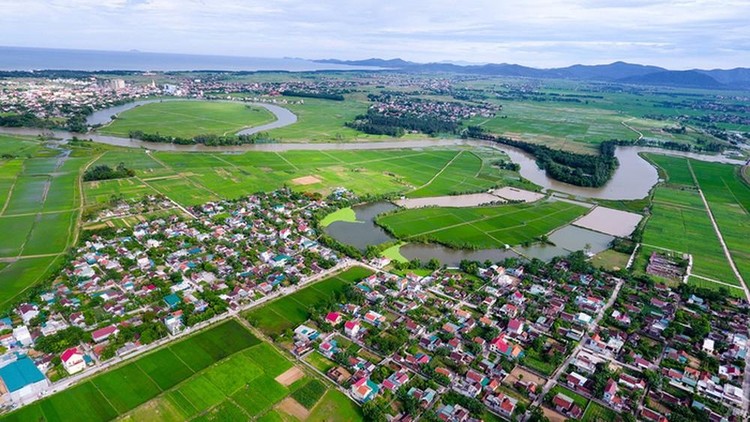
x=292, y=310
x=481, y=227
x=187, y=119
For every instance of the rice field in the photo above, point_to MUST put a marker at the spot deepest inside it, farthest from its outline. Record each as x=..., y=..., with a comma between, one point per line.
x=194, y=178
x=292, y=310
x=481, y=227
x=187, y=119
x=681, y=222
x=189, y=365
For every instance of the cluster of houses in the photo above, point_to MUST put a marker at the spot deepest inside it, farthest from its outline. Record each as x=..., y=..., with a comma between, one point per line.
x=401, y=104
x=467, y=335
x=58, y=98
x=129, y=287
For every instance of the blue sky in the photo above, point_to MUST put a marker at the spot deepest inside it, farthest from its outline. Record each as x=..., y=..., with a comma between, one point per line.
x=678, y=34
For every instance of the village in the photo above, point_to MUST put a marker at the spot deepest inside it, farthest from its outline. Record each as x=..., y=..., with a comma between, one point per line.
x=560, y=340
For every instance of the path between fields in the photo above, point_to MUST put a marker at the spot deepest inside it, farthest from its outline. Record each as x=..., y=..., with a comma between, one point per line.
x=440, y=172
x=95, y=370
x=624, y=123
x=719, y=235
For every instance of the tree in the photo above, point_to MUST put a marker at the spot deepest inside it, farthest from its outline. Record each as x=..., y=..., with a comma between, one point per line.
x=375, y=410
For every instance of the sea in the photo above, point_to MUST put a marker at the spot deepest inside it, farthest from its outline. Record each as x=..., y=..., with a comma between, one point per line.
x=23, y=58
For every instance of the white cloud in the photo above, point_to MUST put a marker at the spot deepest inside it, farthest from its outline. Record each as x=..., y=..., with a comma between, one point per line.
x=677, y=33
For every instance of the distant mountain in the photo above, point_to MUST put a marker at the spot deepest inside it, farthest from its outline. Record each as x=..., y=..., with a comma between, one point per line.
x=739, y=77
x=683, y=78
x=619, y=72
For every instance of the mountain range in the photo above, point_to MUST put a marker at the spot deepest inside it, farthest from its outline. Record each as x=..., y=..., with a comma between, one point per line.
x=619, y=72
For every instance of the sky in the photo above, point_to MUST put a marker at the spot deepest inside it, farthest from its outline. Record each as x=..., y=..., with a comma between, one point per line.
x=677, y=34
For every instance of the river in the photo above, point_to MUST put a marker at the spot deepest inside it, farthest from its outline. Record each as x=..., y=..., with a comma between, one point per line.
x=633, y=179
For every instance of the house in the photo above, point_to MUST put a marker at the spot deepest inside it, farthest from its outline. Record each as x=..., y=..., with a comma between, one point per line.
x=333, y=318
x=22, y=335
x=374, y=318
x=363, y=390
x=73, y=360
x=515, y=327
x=304, y=332
x=174, y=322
x=104, y=333
x=172, y=300
x=499, y=345
x=27, y=312
x=22, y=379
x=351, y=328
x=396, y=380
x=566, y=406
x=328, y=348
x=610, y=393
x=453, y=413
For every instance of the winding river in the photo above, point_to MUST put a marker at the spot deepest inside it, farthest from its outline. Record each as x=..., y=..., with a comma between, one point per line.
x=633, y=179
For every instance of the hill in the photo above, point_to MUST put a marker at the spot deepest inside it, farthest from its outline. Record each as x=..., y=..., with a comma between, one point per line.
x=620, y=72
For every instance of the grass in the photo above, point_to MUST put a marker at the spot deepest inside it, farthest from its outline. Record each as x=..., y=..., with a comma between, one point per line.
x=292, y=310
x=310, y=393
x=394, y=253
x=596, y=412
x=681, y=222
x=187, y=119
x=335, y=407
x=581, y=401
x=460, y=175
x=481, y=227
x=344, y=214
x=120, y=390
x=611, y=259
x=320, y=362
x=194, y=178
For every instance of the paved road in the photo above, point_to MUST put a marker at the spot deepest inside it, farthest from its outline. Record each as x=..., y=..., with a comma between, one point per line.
x=90, y=372
x=552, y=381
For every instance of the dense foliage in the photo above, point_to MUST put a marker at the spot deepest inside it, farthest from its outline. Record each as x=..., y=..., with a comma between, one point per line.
x=321, y=95
x=376, y=123
x=105, y=172
x=208, y=140
x=576, y=169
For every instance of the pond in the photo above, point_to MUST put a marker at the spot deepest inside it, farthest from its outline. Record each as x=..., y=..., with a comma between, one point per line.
x=365, y=232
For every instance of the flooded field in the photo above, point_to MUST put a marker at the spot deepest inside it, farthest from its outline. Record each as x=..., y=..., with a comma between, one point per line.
x=454, y=201
x=613, y=222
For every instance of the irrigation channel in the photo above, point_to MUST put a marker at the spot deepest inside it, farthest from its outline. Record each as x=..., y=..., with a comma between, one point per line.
x=633, y=179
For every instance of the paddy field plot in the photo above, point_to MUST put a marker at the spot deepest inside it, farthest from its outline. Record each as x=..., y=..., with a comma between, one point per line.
x=195, y=178
x=681, y=222
x=292, y=310
x=38, y=214
x=610, y=221
x=118, y=391
x=187, y=119
x=481, y=227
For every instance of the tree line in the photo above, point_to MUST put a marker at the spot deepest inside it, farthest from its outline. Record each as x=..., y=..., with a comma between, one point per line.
x=376, y=123
x=206, y=139
x=577, y=169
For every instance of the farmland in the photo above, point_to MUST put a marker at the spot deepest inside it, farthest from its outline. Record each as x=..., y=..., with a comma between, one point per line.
x=118, y=391
x=40, y=198
x=292, y=310
x=186, y=119
x=194, y=178
x=481, y=227
x=680, y=221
